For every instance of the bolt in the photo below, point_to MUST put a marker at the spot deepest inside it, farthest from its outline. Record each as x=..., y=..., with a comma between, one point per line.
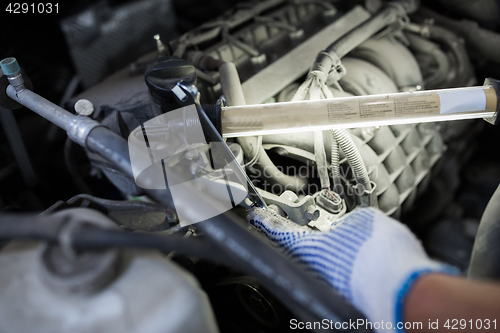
x=190, y=155
x=11, y=69
x=312, y=213
x=84, y=107
x=290, y=196
x=160, y=46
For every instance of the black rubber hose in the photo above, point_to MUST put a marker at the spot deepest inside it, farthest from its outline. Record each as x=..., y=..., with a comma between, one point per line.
x=112, y=147
x=231, y=243
x=191, y=246
x=480, y=41
x=485, y=260
x=308, y=298
x=29, y=226
x=486, y=11
x=47, y=228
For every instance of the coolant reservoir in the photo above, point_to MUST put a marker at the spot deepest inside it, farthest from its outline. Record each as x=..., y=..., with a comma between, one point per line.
x=148, y=294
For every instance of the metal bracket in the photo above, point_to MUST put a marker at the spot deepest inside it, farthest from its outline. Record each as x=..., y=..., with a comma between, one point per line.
x=299, y=211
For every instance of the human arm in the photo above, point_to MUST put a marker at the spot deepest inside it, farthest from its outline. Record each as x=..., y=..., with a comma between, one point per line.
x=442, y=298
x=371, y=259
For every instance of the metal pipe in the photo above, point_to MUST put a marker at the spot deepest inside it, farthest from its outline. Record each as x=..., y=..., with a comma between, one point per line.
x=77, y=127
x=43, y=107
x=361, y=111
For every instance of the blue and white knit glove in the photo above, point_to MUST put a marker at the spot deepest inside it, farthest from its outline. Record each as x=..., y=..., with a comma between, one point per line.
x=371, y=259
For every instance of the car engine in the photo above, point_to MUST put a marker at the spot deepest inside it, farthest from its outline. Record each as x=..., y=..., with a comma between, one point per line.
x=97, y=244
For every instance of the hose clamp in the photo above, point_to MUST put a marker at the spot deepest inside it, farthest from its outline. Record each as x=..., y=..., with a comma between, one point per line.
x=369, y=197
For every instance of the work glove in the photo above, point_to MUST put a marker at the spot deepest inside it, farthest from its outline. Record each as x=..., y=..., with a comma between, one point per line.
x=371, y=259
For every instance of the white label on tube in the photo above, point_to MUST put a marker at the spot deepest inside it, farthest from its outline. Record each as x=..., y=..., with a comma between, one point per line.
x=459, y=100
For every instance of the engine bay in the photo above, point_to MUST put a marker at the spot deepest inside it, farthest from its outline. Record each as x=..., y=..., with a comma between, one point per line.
x=185, y=259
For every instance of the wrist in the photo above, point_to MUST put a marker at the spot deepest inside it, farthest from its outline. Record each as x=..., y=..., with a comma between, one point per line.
x=412, y=296
x=382, y=297
x=417, y=298
x=440, y=298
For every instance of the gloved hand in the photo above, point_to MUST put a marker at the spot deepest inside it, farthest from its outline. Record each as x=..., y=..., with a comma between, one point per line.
x=371, y=259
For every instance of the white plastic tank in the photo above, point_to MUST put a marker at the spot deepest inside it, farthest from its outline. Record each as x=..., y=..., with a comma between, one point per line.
x=150, y=294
